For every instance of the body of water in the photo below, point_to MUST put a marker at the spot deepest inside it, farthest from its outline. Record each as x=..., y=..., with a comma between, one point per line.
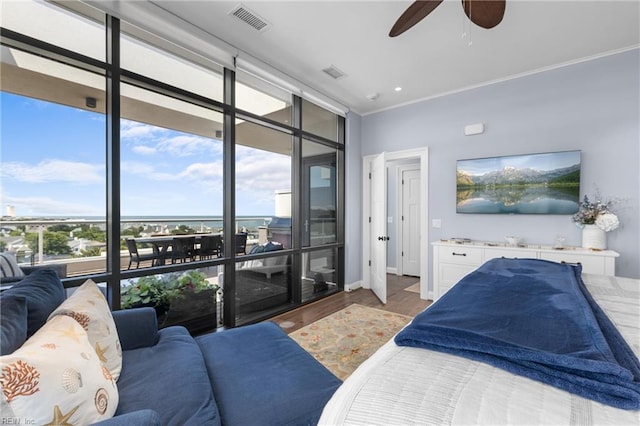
x=521, y=200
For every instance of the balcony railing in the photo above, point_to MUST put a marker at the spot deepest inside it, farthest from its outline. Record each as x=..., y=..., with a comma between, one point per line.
x=88, y=255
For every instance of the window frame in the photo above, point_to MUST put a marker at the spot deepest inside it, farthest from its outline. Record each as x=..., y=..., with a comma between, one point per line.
x=115, y=76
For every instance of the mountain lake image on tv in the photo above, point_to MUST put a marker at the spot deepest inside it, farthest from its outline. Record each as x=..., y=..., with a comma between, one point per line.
x=547, y=183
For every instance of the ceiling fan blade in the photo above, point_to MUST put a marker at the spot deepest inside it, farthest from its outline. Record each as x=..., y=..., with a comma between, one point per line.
x=414, y=14
x=484, y=13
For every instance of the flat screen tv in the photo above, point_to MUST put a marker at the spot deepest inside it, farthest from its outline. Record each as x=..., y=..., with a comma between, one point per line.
x=547, y=183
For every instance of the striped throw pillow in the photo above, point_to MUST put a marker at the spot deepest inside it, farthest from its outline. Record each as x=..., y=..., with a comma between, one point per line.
x=9, y=266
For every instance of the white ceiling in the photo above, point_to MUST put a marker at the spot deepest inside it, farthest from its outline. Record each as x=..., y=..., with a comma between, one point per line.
x=431, y=59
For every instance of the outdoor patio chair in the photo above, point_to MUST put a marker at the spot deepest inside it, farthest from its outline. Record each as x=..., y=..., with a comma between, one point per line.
x=241, y=243
x=210, y=246
x=135, y=256
x=183, y=248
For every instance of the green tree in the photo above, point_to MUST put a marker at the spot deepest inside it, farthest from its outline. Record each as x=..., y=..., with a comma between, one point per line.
x=55, y=243
x=18, y=231
x=130, y=232
x=133, y=231
x=183, y=229
x=60, y=228
x=91, y=233
x=91, y=251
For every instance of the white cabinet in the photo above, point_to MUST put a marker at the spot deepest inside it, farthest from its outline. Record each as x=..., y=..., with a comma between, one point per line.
x=600, y=263
x=452, y=261
x=515, y=252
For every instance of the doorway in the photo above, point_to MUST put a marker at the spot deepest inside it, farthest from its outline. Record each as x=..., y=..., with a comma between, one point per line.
x=375, y=220
x=408, y=220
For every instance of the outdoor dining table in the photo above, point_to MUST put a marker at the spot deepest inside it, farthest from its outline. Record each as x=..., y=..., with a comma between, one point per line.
x=162, y=243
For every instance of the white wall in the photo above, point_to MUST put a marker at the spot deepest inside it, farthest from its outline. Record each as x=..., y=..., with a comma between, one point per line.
x=592, y=106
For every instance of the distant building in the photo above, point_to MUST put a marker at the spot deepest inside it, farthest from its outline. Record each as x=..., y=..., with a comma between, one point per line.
x=11, y=211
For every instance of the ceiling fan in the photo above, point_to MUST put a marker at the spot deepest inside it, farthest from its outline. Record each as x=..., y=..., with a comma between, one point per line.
x=484, y=13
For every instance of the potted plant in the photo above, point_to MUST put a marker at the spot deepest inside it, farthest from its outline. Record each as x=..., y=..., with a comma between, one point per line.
x=186, y=299
x=595, y=218
x=145, y=291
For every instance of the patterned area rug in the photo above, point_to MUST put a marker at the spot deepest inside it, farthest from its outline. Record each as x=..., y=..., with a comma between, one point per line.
x=415, y=288
x=343, y=340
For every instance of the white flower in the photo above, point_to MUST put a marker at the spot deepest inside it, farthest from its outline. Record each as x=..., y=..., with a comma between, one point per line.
x=607, y=222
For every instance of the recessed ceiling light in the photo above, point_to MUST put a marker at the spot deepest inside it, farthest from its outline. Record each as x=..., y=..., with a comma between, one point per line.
x=397, y=89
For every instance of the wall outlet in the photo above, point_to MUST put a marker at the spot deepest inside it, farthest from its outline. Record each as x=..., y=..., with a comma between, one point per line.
x=436, y=223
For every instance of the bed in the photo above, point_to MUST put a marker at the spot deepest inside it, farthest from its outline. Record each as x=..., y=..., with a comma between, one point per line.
x=402, y=385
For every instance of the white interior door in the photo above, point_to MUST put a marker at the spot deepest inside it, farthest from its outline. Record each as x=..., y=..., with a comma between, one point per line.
x=379, y=228
x=411, y=222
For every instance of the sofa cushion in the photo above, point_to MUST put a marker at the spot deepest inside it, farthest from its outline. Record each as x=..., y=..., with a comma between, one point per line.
x=137, y=328
x=9, y=267
x=169, y=378
x=43, y=291
x=256, y=249
x=272, y=246
x=13, y=323
x=56, y=377
x=137, y=418
x=88, y=306
x=261, y=376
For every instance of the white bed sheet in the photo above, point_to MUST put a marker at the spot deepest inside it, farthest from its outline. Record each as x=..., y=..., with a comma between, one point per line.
x=402, y=385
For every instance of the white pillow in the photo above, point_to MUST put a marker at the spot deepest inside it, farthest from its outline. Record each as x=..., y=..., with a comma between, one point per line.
x=88, y=306
x=56, y=377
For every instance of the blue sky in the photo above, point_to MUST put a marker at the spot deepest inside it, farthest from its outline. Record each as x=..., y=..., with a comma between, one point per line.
x=52, y=161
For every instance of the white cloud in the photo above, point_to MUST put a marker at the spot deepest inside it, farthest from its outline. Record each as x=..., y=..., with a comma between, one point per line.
x=199, y=171
x=144, y=150
x=44, y=206
x=54, y=171
x=146, y=139
x=134, y=130
x=258, y=174
x=262, y=172
x=186, y=145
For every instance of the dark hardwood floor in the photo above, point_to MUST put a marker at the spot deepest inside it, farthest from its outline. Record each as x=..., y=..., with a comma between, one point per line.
x=398, y=300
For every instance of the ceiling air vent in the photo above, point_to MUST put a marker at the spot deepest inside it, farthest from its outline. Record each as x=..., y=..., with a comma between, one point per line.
x=248, y=17
x=334, y=72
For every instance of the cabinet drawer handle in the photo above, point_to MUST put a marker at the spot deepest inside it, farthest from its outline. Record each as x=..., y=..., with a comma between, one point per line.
x=459, y=254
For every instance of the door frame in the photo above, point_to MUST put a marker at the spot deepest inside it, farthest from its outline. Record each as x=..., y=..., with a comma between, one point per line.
x=308, y=162
x=399, y=209
x=423, y=155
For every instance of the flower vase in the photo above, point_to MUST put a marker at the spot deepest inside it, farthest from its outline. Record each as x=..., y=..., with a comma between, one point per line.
x=594, y=238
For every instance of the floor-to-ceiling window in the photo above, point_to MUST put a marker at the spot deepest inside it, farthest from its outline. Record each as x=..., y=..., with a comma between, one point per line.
x=219, y=182
x=53, y=140
x=319, y=215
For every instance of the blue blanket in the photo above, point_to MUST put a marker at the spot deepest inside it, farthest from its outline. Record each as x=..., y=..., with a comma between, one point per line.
x=536, y=319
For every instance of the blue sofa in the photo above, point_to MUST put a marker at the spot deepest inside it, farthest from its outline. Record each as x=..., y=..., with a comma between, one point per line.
x=252, y=375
